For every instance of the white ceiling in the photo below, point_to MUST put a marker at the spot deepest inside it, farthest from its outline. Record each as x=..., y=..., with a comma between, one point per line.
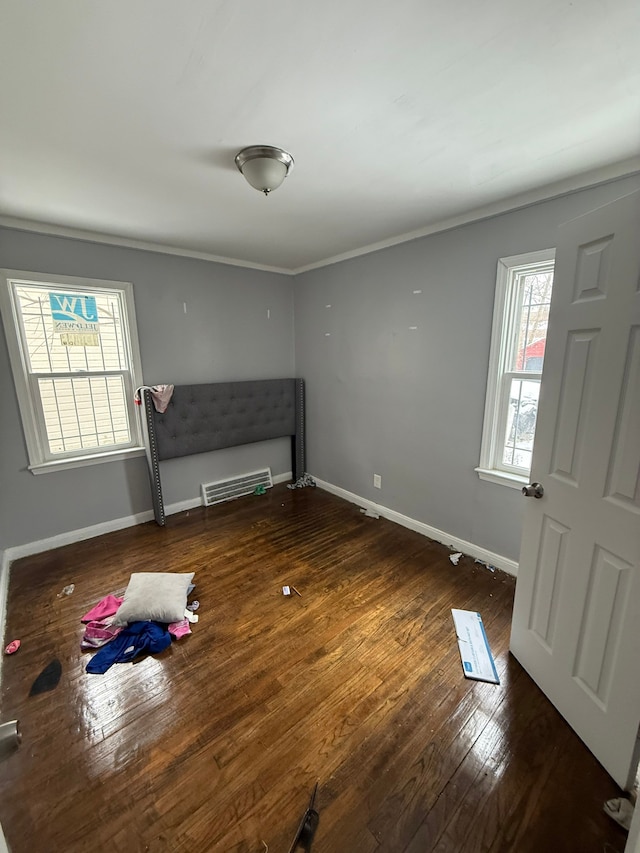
x=123, y=117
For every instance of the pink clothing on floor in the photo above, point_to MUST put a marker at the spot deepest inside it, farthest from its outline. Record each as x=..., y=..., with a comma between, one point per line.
x=179, y=629
x=99, y=633
x=107, y=607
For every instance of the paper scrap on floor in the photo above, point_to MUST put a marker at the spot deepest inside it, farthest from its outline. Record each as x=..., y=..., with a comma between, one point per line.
x=475, y=654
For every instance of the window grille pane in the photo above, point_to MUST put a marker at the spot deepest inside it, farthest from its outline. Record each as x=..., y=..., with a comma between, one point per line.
x=521, y=423
x=532, y=322
x=84, y=413
x=50, y=351
x=75, y=363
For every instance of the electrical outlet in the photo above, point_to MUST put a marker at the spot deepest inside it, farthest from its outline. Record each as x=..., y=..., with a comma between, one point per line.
x=377, y=481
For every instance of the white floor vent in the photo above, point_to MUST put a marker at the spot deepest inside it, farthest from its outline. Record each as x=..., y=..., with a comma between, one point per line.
x=235, y=487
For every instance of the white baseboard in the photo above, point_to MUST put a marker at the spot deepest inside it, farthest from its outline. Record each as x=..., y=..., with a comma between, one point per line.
x=4, y=589
x=182, y=506
x=68, y=538
x=83, y=533
x=488, y=557
x=71, y=536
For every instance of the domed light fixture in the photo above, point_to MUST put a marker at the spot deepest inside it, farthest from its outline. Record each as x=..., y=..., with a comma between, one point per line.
x=264, y=167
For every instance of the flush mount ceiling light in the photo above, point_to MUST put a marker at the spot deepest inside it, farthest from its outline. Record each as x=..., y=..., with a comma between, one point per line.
x=264, y=167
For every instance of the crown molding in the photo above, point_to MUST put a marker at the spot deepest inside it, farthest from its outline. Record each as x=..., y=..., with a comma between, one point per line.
x=586, y=180
x=549, y=192
x=18, y=224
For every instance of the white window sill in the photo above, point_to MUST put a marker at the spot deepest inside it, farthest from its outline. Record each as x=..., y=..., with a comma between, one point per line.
x=514, y=481
x=82, y=461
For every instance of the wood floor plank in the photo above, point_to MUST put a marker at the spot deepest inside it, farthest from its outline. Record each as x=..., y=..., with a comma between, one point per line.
x=216, y=744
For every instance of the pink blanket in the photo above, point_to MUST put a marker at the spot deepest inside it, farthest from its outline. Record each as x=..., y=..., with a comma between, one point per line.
x=107, y=607
x=98, y=633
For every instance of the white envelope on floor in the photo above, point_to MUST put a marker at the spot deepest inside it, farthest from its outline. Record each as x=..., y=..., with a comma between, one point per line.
x=475, y=654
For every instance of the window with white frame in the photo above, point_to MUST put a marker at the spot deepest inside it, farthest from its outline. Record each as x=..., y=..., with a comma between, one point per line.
x=518, y=340
x=76, y=364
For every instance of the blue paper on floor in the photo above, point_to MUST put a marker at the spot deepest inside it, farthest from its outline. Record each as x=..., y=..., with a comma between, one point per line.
x=475, y=654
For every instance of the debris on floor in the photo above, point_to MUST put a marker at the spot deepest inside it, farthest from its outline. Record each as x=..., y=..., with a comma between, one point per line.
x=620, y=810
x=148, y=629
x=137, y=638
x=455, y=558
x=286, y=590
x=66, y=590
x=10, y=737
x=370, y=513
x=12, y=648
x=296, y=591
x=260, y=490
x=486, y=565
x=108, y=606
x=302, y=482
x=98, y=633
x=307, y=827
x=475, y=654
x=48, y=678
x=179, y=629
x=98, y=629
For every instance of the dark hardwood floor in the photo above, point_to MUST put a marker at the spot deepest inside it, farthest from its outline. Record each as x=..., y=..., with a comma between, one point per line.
x=215, y=745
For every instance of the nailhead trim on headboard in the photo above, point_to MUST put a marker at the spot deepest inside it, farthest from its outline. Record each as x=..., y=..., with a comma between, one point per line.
x=154, y=467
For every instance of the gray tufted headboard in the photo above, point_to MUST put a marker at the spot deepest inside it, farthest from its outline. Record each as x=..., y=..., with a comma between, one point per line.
x=207, y=417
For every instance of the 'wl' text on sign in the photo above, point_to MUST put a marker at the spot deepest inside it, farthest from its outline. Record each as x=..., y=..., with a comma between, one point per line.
x=75, y=317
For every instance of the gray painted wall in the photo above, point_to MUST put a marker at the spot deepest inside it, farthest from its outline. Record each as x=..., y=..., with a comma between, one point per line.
x=407, y=404
x=380, y=397
x=224, y=335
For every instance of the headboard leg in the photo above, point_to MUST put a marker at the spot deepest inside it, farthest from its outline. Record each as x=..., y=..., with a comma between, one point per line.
x=298, y=450
x=152, y=460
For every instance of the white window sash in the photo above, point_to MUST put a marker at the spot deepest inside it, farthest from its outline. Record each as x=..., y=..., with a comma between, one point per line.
x=29, y=401
x=508, y=301
x=36, y=396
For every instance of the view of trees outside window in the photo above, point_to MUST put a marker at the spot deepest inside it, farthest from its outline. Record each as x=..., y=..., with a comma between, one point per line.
x=525, y=367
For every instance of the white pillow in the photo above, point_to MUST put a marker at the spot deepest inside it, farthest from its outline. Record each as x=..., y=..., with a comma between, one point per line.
x=159, y=596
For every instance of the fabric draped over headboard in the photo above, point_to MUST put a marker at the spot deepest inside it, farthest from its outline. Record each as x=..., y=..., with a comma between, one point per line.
x=211, y=416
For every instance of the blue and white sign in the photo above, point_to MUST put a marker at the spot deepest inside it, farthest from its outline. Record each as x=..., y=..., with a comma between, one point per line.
x=80, y=310
x=475, y=654
x=75, y=317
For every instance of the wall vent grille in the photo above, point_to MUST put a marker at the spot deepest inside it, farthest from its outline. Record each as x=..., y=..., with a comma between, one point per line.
x=235, y=487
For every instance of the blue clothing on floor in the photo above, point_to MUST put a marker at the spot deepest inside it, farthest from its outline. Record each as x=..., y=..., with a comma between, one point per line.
x=136, y=638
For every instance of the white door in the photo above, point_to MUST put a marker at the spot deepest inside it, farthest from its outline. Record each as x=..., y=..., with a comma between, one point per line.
x=576, y=620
